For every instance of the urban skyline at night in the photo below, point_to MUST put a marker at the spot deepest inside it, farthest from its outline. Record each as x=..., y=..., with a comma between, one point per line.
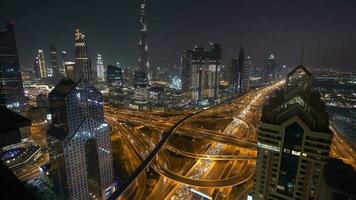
x=324, y=27
x=179, y=100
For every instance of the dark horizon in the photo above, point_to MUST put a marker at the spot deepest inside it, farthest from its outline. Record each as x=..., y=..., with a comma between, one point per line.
x=326, y=28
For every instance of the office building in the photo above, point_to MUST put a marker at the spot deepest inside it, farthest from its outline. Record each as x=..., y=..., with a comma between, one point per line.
x=57, y=76
x=293, y=141
x=270, y=69
x=239, y=81
x=186, y=62
x=114, y=76
x=78, y=137
x=10, y=75
x=205, y=66
x=143, y=61
x=82, y=69
x=69, y=72
x=140, y=79
x=100, y=69
x=64, y=60
x=40, y=65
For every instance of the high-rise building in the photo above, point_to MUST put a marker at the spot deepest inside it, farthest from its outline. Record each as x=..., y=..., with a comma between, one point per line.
x=270, y=69
x=79, y=142
x=205, y=66
x=40, y=64
x=114, y=76
x=69, y=70
x=100, y=69
x=11, y=87
x=245, y=71
x=78, y=137
x=239, y=74
x=64, y=59
x=143, y=61
x=54, y=62
x=186, y=62
x=293, y=141
x=82, y=61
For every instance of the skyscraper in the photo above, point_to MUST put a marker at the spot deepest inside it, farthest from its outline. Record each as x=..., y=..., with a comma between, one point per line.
x=64, y=59
x=205, y=66
x=143, y=61
x=69, y=70
x=239, y=73
x=186, y=62
x=11, y=87
x=270, y=69
x=79, y=142
x=293, y=141
x=79, y=138
x=244, y=77
x=82, y=61
x=40, y=64
x=54, y=62
x=114, y=76
x=100, y=69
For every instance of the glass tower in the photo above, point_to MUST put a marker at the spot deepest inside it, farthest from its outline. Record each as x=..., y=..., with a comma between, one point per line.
x=79, y=138
x=11, y=87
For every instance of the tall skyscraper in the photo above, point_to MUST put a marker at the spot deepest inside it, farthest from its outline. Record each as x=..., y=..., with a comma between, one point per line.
x=186, y=62
x=205, y=66
x=11, y=87
x=245, y=73
x=69, y=70
x=40, y=64
x=293, y=141
x=270, y=69
x=64, y=59
x=239, y=76
x=100, y=69
x=143, y=61
x=54, y=62
x=114, y=76
x=82, y=61
x=79, y=138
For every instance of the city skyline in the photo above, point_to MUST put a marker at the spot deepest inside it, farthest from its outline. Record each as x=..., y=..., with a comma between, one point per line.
x=325, y=28
x=179, y=100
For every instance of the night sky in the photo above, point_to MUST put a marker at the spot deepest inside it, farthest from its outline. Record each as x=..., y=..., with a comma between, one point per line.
x=327, y=28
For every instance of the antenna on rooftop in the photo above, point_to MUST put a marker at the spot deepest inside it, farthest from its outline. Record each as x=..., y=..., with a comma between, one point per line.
x=302, y=56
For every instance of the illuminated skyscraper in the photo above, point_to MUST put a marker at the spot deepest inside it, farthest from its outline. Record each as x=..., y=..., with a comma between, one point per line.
x=186, y=62
x=293, y=142
x=100, y=68
x=40, y=64
x=245, y=71
x=79, y=138
x=270, y=69
x=55, y=67
x=82, y=61
x=64, y=59
x=11, y=87
x=114, y=76
x=69, y=70
x=143, y=61
x=205, y=66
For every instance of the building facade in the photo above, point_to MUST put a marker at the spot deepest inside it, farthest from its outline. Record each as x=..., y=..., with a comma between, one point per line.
x=143, y=61
x=100, y=69
x=57, y=76
x=239, y=74
x=11, y=87
x=205, y=66
x=82, y=67
x=270, y=69
x=114, y=76
x=79, y=138
x=293, y=141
